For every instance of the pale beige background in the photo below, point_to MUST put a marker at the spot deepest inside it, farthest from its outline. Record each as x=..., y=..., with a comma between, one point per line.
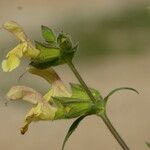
x=129, y=112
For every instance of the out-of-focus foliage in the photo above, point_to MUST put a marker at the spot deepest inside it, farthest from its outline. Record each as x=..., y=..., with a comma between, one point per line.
x=122, y=33
x=125, y=32
x=148, y=144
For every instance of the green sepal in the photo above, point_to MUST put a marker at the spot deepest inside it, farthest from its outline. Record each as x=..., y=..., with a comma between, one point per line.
x=48, y=34
x=66, y=101
x=78, y=109
x=43, y=65
x=60, y=114
x=79, y=92
x=44, y=46
x=54, y=52
x=65, y=44
x=79, y=103
x=47, y=57
x=74, y=107
x=72, y=129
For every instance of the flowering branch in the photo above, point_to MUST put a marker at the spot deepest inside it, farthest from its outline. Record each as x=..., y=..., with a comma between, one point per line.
x=58, y=102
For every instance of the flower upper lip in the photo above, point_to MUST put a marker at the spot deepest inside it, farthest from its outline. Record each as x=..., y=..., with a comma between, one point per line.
x=24, y=48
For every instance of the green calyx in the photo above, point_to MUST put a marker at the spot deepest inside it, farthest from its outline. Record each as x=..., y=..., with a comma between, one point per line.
x=54, y=51
x=80, y=105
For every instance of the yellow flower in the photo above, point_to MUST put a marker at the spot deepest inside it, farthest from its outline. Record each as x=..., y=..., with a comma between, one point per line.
x=24, y=48
x=44, y=108
x=57, y=86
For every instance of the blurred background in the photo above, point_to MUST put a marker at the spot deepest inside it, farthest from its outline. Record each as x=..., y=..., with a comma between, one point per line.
x=114, y=51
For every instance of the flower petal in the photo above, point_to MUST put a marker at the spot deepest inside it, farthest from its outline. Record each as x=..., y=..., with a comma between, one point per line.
x=48, y=74
x=57, y=89
x=24, y=93
x=43, y=111
x=25, y=48
x=31, y=51
x=10, y=63
x=18, y=50
x=15, y=29
x=13, y=58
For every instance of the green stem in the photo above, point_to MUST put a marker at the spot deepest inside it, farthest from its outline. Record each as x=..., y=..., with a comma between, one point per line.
x=72, y=67
x=114, y=132
x=104, y=116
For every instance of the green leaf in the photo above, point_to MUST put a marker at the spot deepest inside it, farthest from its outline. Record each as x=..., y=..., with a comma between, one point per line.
x=48, y=34
x=72, y=129
x=79, y=92
x=118, y=89
x=148, y=144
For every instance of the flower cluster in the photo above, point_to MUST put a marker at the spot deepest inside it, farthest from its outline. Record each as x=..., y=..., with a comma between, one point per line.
x=58, y=102
x=43, y=108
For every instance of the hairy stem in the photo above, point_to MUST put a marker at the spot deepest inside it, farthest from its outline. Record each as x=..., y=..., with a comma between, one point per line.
x=76, y=73
x=114, y=132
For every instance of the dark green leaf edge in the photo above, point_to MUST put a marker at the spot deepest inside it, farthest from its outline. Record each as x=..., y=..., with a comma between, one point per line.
x=72, y=129
x=148, y=144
